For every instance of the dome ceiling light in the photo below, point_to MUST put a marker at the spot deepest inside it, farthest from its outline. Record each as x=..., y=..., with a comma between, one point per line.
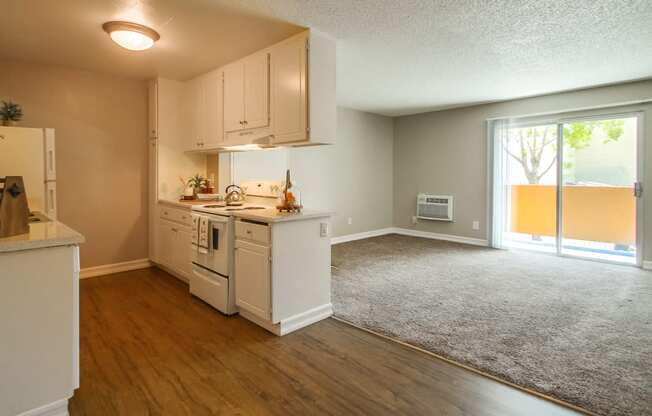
x=131, y=36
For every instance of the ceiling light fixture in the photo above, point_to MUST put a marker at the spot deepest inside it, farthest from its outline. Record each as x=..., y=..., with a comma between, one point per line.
x=131, y=36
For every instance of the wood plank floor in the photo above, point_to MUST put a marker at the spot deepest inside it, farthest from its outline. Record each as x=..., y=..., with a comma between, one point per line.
x=149, y=348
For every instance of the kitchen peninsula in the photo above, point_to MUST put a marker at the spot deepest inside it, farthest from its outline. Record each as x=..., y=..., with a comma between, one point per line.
x=39, y=319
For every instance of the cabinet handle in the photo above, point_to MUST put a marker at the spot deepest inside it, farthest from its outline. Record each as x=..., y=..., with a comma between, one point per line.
x=245, y=122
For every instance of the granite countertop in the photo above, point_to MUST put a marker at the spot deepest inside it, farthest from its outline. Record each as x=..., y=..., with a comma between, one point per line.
x=42, y=235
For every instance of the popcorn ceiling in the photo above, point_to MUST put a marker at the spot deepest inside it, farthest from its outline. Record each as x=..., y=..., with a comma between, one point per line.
x=401, y=57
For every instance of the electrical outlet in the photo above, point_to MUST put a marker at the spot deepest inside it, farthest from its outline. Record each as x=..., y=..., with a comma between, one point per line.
x=323, y=229
x=414, y=219
x=349, y=220
x=476, y=225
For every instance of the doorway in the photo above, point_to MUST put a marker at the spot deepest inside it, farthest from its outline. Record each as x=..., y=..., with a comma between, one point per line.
x=568, y=186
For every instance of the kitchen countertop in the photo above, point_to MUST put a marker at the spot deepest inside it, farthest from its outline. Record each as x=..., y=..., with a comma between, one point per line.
x=271, y=215
x=186, y=204
x=268, y=215
x=42, y=235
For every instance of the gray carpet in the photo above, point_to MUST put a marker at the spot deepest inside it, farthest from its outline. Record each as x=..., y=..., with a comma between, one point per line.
x=576, y=330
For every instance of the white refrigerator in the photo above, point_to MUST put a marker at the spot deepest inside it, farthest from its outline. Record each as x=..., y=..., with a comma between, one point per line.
x=29, y=152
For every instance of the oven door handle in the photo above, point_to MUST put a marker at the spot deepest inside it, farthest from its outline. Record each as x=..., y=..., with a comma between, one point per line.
x=215, y=239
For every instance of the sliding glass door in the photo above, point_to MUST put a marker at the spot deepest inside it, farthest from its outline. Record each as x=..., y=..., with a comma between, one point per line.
x=599, y=173
x=530, y=183
x=567, y=186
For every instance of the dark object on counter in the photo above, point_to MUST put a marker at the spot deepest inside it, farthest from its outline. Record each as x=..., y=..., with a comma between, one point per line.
x=14, y=211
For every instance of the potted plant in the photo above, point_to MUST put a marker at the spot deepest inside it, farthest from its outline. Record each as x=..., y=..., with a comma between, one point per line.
x=198, y=183
x=10, y=113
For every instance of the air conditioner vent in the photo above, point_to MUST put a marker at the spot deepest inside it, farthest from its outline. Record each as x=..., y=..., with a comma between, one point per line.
x=435, y=207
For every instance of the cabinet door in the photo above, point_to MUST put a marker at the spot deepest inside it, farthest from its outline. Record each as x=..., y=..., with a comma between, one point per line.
x=182, y=260
x=253, y=279
x=166, y=236
x=289, y=85
x=152, y=198
x=195, y=113
x=152, y=99
x=234, y=97
x=213, y=109
x=256, y=91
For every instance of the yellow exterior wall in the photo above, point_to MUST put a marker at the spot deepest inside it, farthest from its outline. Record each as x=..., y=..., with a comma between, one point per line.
x=591, y=213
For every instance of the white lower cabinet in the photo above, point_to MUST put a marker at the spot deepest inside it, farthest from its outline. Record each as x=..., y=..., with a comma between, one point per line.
x=282, y=273
x=252, y=289
x=182, y=244
x=173, y=242
x=165, y=243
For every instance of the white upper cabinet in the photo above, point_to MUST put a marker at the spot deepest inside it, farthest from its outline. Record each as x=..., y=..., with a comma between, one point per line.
x=204, y=111
x=303, y=90
x=152, y=99
x=213, y=109
x=289, y=90
x=281, y=95
x=246, y=97
x=194, y=103
x=256, y=91
x=234, y=97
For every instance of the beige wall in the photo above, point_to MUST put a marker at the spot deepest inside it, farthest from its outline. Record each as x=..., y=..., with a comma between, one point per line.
x=353, y=177
x=101, y=145
x=445, y=152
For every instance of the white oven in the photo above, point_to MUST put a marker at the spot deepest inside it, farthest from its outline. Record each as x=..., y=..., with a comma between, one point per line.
x=212, y=257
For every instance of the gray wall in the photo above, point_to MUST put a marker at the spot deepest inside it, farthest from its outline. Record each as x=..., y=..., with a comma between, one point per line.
x=353, y=177
x=445, y=152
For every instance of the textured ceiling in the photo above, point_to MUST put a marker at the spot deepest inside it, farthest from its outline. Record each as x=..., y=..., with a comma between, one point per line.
x=401, y=57
x=196, y=35
x=394, y=57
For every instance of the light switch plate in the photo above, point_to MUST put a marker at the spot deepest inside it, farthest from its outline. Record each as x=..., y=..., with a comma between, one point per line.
x=323, y=229
x=476, y=225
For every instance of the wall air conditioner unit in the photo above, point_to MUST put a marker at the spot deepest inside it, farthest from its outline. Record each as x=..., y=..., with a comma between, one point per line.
x=435, y=207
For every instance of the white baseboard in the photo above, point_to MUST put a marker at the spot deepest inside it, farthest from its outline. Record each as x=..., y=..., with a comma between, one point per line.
x=647, y=265
x=361, y=236
x=114, y=268
x=306, y=318
x=58, y=408
x=293, y=323
x=410, y=232
x=445, y=237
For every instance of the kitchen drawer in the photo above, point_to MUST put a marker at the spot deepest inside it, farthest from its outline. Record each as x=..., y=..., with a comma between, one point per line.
x=177, y=215
x=210, y=287
x=258, y=233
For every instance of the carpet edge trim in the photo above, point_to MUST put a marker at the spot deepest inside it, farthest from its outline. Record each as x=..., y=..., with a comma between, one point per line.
x=468, y=368
x=409, y=232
